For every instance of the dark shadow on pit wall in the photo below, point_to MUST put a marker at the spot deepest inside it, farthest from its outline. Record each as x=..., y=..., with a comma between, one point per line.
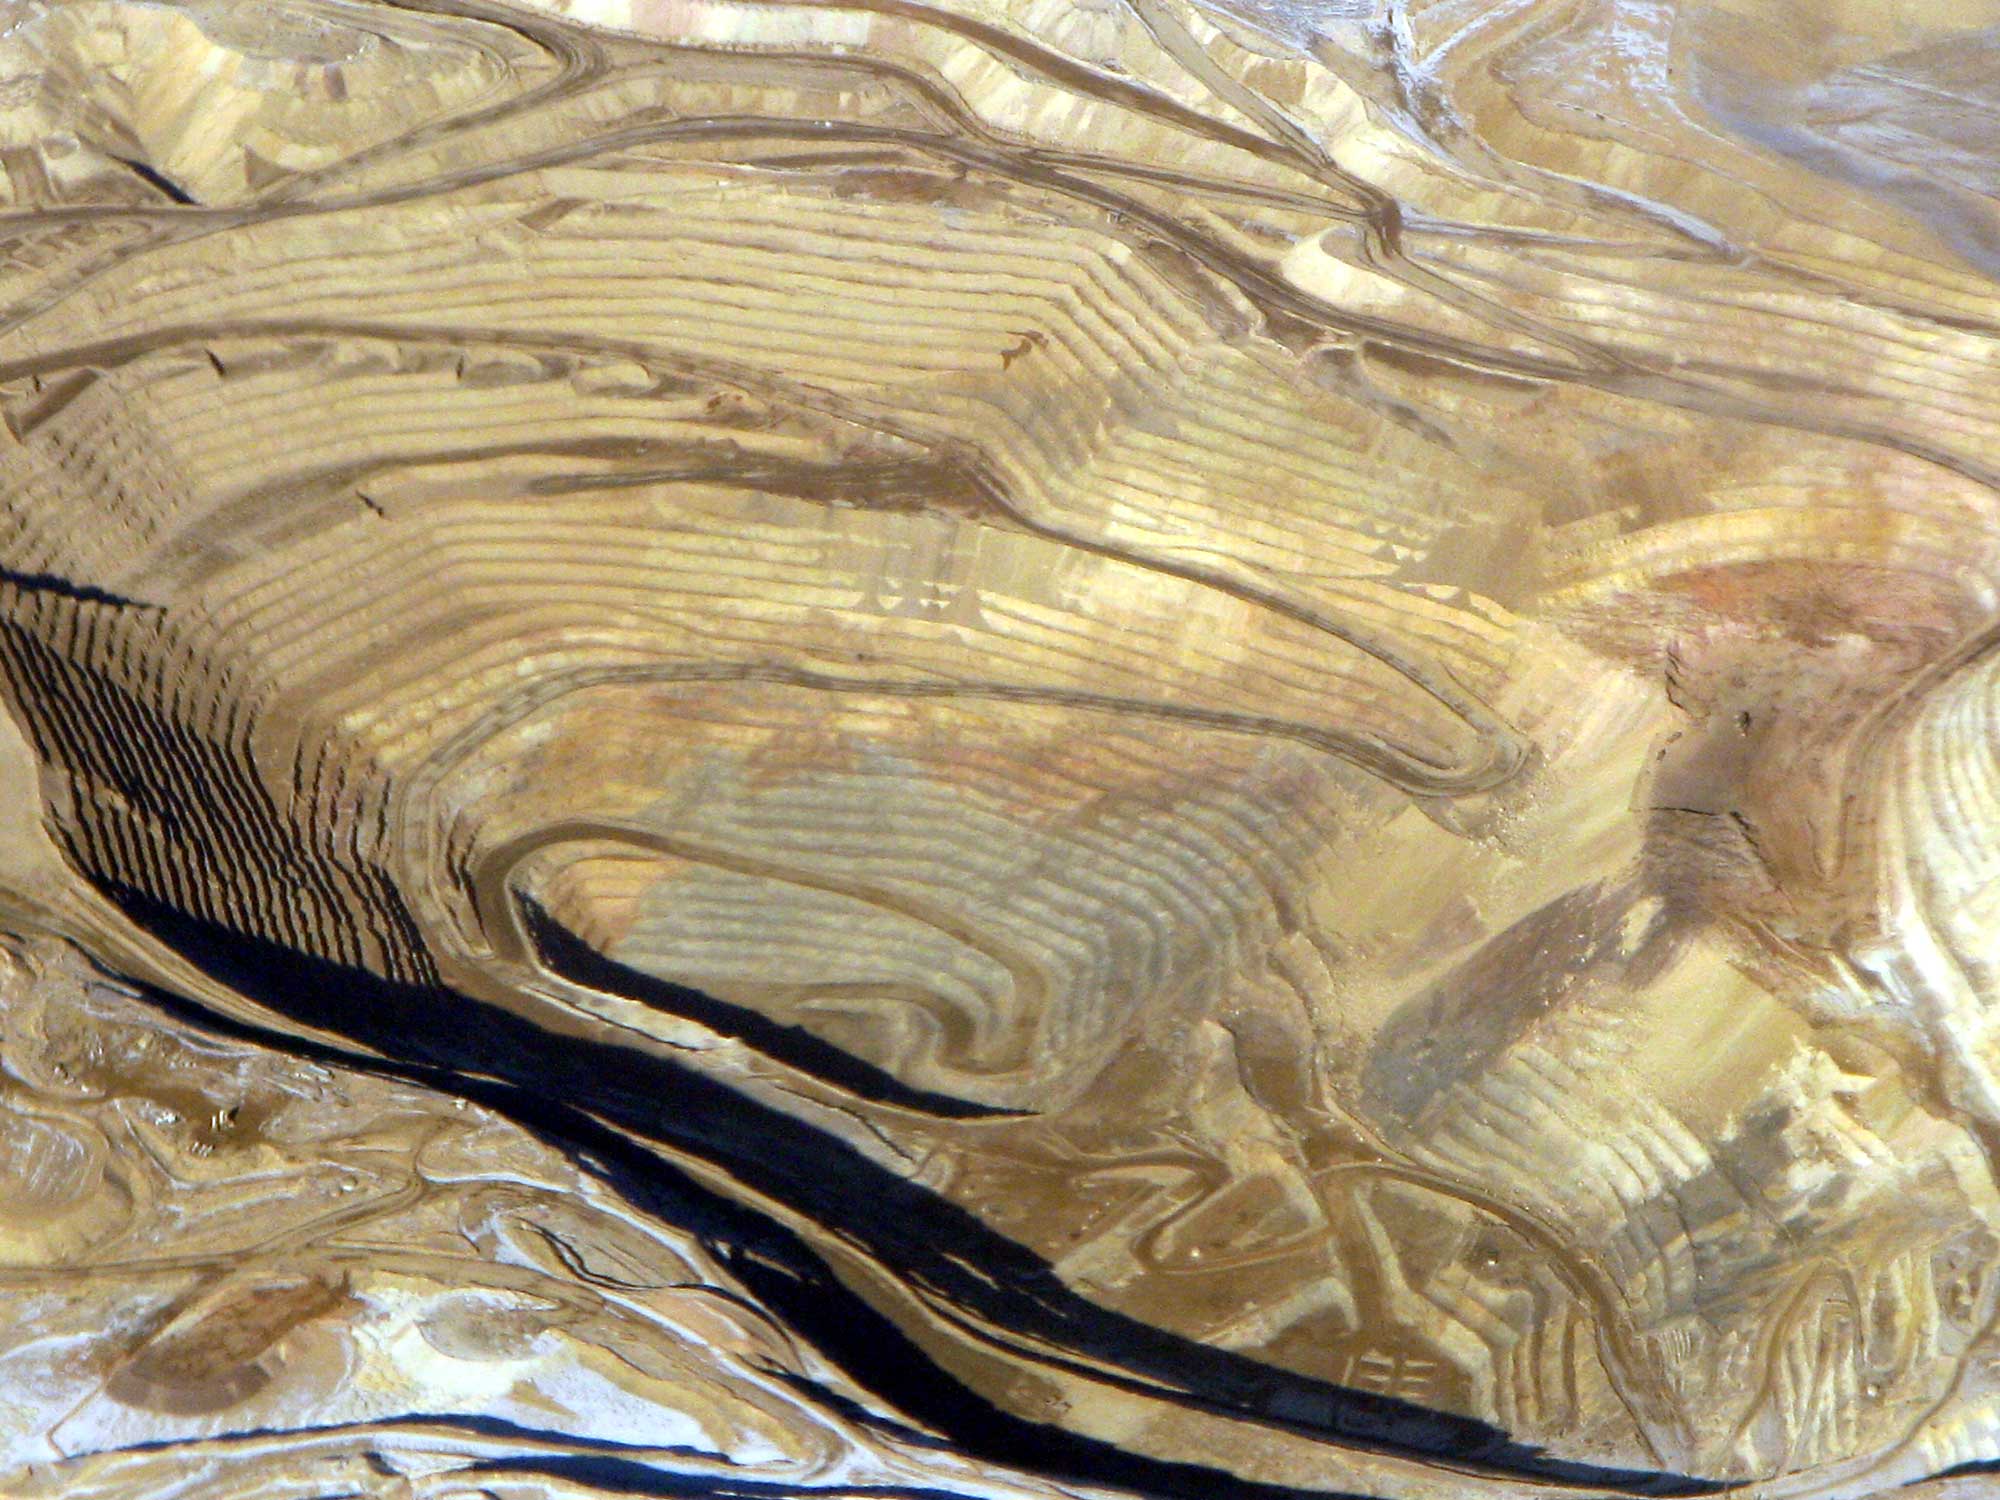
x=564, y=1089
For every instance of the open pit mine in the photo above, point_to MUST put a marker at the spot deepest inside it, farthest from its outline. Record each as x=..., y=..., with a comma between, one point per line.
x=999, y=749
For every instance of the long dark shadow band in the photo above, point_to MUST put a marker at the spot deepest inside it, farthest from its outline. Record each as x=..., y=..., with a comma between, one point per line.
x=539, y=1079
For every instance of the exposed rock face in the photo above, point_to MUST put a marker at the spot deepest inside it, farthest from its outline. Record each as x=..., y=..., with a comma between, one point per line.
x=1001, y=749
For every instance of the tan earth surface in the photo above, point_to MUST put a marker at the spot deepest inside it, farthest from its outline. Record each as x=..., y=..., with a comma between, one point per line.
x=1012, y=748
